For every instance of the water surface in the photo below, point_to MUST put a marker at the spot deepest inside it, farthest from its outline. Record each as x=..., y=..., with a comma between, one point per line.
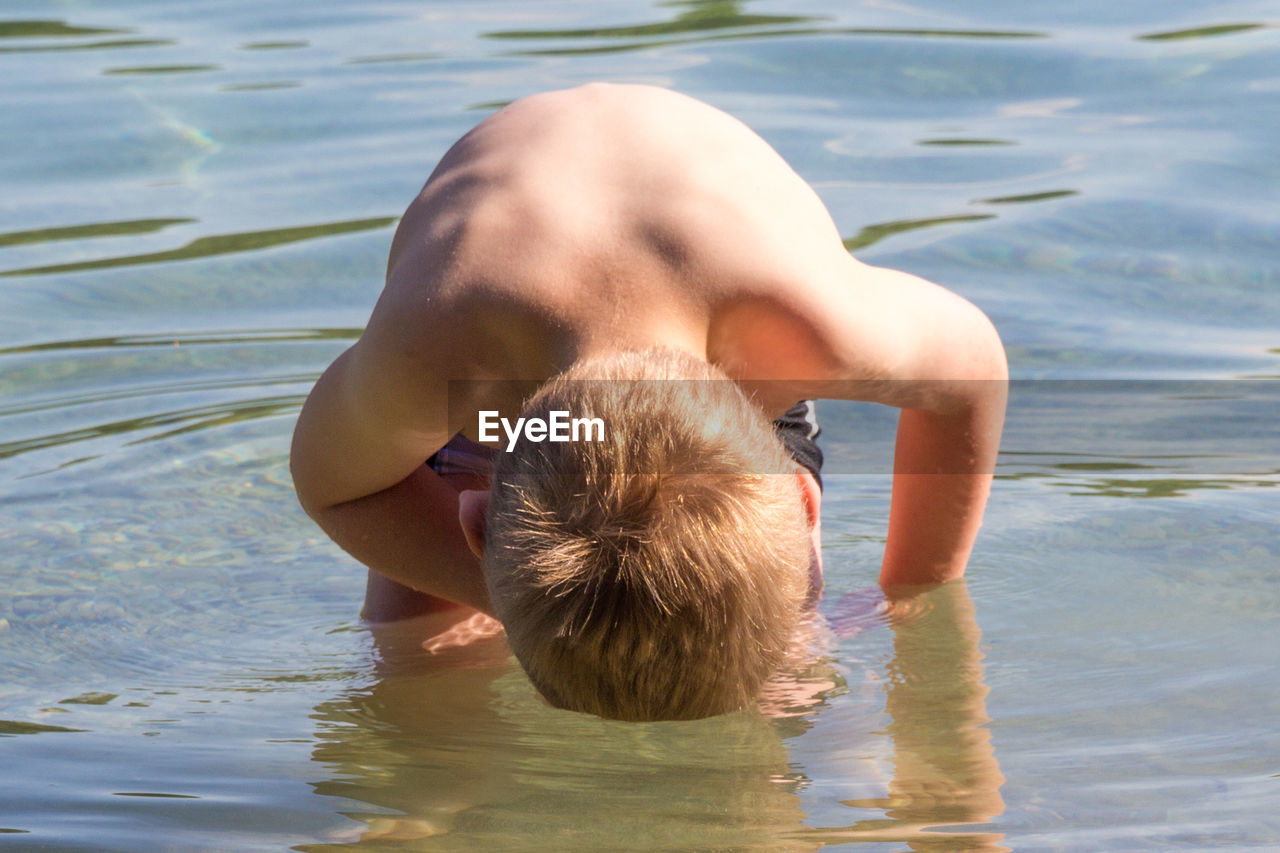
x=197, y=204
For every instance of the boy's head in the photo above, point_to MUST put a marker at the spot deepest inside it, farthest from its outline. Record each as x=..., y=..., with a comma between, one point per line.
x=657, y=573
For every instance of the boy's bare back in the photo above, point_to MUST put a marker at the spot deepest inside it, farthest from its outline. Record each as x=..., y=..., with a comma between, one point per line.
x=609, y=217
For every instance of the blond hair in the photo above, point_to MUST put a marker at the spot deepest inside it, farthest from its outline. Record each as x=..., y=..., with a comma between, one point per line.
x=658, y=573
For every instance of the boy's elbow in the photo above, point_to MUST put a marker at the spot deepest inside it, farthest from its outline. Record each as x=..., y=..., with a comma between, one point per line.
x=978, y=366
x=991, y=362
x=301, y=469
x=988, y=372
x=304, y=495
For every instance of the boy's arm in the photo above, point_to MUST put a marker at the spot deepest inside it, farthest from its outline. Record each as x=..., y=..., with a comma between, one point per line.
x=942, y=476
x=358, y=465
x=937, y=358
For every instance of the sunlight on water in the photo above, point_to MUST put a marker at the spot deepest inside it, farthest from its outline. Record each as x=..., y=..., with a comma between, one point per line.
x=198, y=203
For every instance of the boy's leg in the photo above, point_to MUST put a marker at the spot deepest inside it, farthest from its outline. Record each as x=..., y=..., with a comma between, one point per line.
x=387, y=601
x=798, y=431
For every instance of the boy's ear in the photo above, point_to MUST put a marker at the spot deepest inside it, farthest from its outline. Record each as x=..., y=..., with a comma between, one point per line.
x=472, y=506
x=811, y=496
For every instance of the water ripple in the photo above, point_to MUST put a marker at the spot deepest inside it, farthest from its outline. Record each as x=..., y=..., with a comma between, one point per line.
x=50, y=29
x=176, y=570
x=9, y=728
x=162, y=69
x=872, y=234
x=1026, y=198
x=182, y=339
x=121, y=228
x=393, y=58
x=184, y=420
x=274, y=45
x=965, y=142
x=58, y=394
x=218, y=244
x=866, y=32
x=703, y=19
x=1202, y=32
x=60, y=30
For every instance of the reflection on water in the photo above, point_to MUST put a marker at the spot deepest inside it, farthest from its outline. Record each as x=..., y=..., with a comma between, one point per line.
x=183, y=420
x=181, y=339
x=872, y=234
x=117, y=387
x=110, y=44
x=9, y=728
x=702, y=15
x=62, y=30
x=274, y=45
x=94, y=229
x=161, y=69
x=1202, y=32
x=703, y=23
x=393, y=58
x=49, y=29
x=945, y=784
x=1168, y=487
x=220, y=244
x=749, y=33
x=1152, y=439
x=457, y=747
x=260, y=87
x=94, y=698
x=966, y=142
x=42, y=29
x=183, y=640
x=1025, y=198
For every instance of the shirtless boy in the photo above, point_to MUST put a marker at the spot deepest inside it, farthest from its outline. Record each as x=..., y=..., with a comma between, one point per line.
x=628, y=234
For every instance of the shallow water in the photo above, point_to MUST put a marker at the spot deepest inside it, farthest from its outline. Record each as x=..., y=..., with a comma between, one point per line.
x=197, y=204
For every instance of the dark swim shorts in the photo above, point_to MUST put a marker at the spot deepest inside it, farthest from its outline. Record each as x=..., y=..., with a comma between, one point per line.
x=798, y=431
